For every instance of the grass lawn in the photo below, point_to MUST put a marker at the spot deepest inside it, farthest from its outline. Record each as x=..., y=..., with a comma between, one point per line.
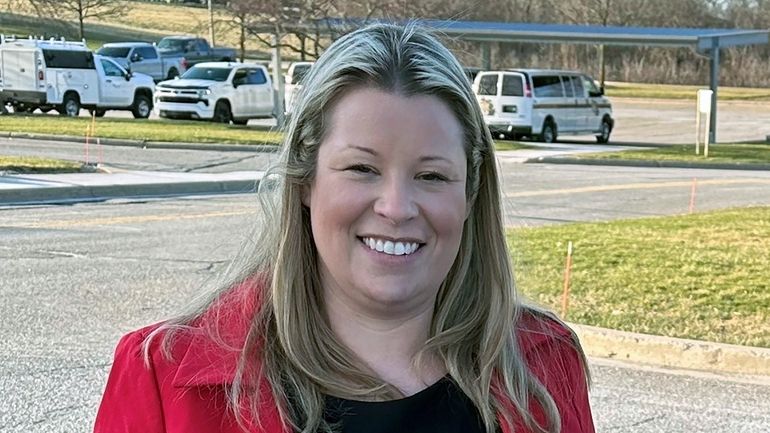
x=735, y=152
x=511, y=145
x=150, y=130
x=25, y=164
x=701, y=276
x=672, y=91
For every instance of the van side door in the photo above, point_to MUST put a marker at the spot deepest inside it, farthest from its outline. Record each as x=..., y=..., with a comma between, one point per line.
x=550, y=101
x=582, y=108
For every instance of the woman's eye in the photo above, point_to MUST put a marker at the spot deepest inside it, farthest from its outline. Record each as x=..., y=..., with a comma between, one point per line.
x=434, y=177
x=361, y=168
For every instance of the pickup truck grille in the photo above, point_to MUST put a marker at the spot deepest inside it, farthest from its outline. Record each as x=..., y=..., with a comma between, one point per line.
x=182, y=99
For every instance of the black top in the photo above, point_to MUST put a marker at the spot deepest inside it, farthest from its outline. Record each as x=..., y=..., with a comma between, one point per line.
x=441, y=407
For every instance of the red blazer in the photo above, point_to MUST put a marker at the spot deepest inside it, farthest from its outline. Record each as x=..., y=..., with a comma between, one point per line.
x=187, y=394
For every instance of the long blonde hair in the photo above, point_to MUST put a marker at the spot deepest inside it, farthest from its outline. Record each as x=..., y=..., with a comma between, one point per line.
x=476, y=311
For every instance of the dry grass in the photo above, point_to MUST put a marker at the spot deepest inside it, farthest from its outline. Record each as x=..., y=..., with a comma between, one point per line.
x=702, y=276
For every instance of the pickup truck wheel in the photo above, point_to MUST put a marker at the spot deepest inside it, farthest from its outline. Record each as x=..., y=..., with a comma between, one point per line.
x=142, y=107
x=70, y=105
x=222, y=113
x=172, y=73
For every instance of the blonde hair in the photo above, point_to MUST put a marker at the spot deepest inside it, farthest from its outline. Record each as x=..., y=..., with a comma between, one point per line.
x=476, y=310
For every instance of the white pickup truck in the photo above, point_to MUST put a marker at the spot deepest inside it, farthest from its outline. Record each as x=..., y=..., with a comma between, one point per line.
x=145, y=58
x=67, y=76
x=219, y=91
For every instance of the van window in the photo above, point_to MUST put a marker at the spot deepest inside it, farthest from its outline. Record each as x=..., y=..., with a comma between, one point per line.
x=590, y=85
x=577, y=83
x=547, y=85
x=68, y=59
x=513, y=85
x=488, y=85
x=565, y=80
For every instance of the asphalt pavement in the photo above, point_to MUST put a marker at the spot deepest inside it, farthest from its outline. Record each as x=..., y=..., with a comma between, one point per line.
x=106, y=183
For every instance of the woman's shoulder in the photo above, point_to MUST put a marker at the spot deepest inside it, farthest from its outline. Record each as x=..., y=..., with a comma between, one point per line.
x=541, y=334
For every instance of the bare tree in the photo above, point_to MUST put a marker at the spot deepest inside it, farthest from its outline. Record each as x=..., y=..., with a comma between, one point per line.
x=80, y=9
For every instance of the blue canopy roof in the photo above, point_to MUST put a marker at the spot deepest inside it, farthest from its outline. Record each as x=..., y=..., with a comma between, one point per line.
x=701, y=39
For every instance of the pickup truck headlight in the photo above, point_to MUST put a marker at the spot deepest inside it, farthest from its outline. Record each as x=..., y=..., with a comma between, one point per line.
x=203, y=93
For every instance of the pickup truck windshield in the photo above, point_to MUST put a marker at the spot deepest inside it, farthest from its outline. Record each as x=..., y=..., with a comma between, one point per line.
x=203, y=73
x=114, y=51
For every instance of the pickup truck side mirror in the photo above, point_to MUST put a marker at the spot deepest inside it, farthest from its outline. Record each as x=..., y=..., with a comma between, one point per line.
x=128, y=75
x=136, y=57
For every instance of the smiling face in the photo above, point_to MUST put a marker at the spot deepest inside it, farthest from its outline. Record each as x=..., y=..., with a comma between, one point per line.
x=387, y=203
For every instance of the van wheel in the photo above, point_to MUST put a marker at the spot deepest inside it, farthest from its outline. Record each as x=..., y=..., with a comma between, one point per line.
x=606, y=129
x=70, y=106
x=549, y=133
x=142, y=107
x=222, y=113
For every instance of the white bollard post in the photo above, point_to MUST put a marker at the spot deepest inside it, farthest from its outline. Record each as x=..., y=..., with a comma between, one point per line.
x=704, y=110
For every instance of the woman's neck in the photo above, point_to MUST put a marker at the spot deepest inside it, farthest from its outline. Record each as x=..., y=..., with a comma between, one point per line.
x=387, y=344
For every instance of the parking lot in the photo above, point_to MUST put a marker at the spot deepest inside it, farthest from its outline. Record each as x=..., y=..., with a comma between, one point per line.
x=649, y=121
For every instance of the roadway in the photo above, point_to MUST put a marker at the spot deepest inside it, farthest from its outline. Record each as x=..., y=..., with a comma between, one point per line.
x=76, y=277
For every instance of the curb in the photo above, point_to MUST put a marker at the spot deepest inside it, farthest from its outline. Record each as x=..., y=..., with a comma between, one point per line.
x=146, y=144
x=639, y=163
x=673, y=352
x=95, y=193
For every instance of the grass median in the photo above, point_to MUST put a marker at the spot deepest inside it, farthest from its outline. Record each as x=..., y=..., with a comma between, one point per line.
x=701, y=276
x=676, y=91
x=29, y=165
x=745, y=153
x=185, y=131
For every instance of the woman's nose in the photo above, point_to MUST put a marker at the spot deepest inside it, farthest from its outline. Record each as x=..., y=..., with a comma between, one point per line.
x=396, y=201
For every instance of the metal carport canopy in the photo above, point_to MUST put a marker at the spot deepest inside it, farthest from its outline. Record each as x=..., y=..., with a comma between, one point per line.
x=704, y=41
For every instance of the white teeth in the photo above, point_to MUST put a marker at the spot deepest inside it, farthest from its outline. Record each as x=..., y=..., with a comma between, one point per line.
x=399, y=249
x=390, y=247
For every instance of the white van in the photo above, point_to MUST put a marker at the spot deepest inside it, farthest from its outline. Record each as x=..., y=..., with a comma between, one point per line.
x=67, y=76
x=543, y=104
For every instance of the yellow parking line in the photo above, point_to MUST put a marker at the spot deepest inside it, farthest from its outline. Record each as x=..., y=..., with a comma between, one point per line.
x=126, y=220
x=628, y=186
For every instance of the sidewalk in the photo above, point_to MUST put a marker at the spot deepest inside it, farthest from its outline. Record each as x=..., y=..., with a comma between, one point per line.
x=28, y=189
x=19, y=189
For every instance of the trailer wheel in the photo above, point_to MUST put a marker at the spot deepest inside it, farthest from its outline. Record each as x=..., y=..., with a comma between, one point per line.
x=70, y=106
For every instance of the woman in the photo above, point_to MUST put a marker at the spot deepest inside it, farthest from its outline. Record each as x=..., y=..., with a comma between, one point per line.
x=379, y=295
